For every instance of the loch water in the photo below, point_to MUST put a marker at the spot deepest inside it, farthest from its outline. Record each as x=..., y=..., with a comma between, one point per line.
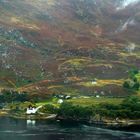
x=16, y=129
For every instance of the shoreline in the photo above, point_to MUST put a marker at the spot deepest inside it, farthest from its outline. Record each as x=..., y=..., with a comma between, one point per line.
x=109, y=122
x=33, y=116
x=106, y=122
x=3, y=113
x=118, y=123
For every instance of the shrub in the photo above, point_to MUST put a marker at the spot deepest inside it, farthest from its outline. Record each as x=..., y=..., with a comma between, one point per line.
x=126, y=84
x=76, y=112
x=132, y=103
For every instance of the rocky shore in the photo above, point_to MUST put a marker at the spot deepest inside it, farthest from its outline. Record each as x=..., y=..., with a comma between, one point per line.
x=3, y=113
x=119, y=123
x=109, y=122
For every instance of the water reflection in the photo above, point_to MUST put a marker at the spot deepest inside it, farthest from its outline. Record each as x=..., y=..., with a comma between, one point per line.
x=31, y=123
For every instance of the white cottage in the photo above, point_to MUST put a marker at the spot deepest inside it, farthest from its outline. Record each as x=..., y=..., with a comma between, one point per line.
x=32, y=110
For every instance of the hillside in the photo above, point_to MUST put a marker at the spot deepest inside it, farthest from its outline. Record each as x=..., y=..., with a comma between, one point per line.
x=81, y=47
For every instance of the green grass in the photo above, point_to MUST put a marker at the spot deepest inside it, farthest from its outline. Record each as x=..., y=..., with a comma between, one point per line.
x=49, y=101
x=138, y=76
x=84, y=101
x=95, y=101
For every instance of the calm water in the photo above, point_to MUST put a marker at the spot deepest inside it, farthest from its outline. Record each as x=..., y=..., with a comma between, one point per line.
x=12, y=129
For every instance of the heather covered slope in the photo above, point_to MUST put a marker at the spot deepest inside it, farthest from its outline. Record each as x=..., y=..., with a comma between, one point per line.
x=68, y=46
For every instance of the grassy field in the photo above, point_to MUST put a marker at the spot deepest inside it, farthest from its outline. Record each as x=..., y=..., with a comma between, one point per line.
x=49, y=101
x=101, y=83
x=84, y=101
x=95, y=101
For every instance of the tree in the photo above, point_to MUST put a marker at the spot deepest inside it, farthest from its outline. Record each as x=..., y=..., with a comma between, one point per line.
x=136, y=86
x=133, y=82
x=11, y=96
x=131, y=103
x=126, y=85
x=2, y=100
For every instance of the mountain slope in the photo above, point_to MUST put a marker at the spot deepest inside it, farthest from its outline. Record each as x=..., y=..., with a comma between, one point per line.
x=58, y=46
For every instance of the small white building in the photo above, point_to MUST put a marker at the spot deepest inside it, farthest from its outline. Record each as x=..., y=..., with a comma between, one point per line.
x=32, y=110
x=94, y=82
x=60, y=101
x=67, y=97
x=97, y=96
